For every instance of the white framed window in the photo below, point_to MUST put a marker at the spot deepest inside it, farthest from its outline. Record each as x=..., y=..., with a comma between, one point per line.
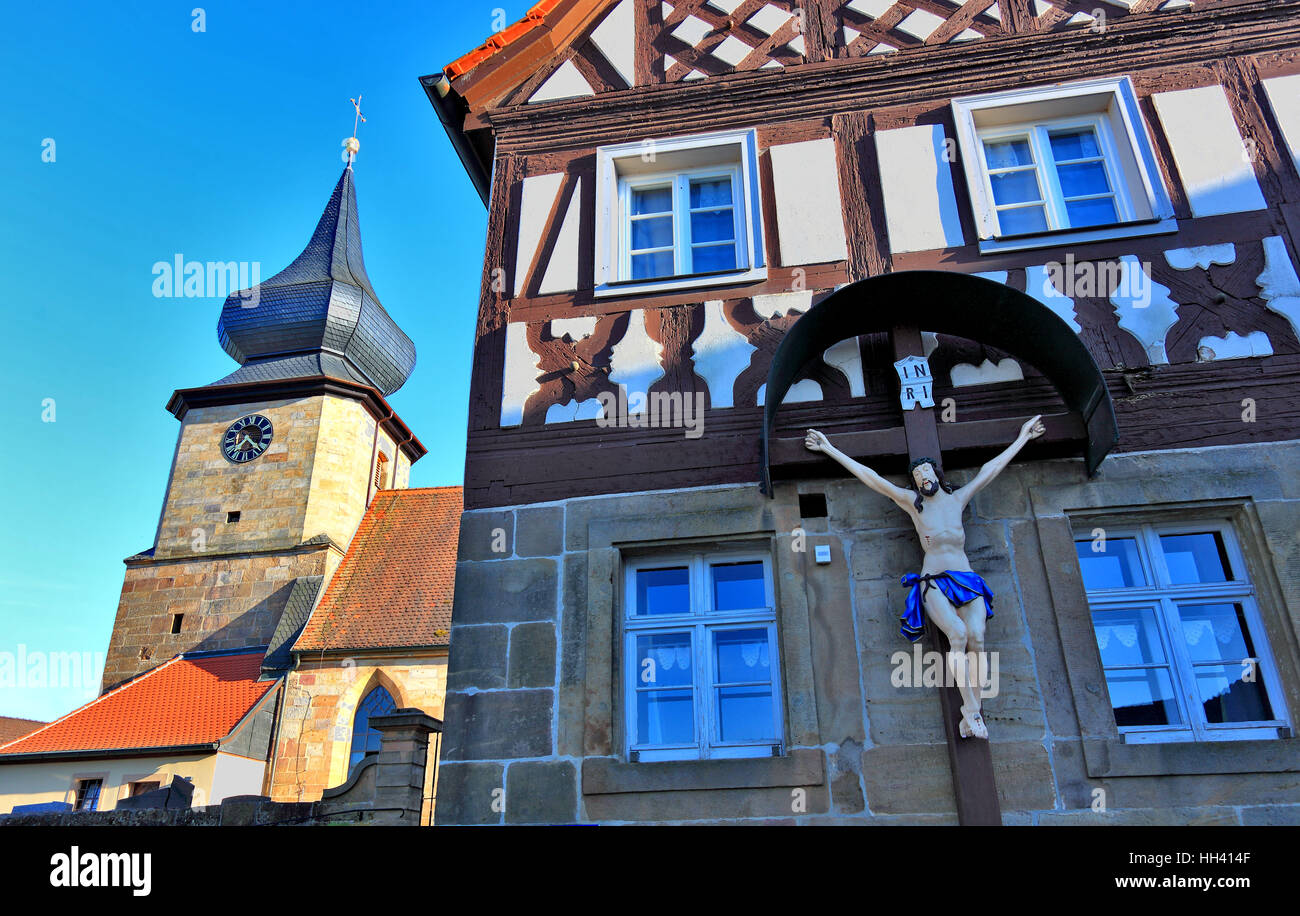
x=1178, y=629
x=701, y=663
x=678, y=213
x=1065, y=164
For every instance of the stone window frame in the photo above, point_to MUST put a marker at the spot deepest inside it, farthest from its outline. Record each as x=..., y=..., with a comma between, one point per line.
x=699, y=560
x=606, y=768
x=1106, y=753
x=1238, y=590
x=88, y=776
x=162, y=774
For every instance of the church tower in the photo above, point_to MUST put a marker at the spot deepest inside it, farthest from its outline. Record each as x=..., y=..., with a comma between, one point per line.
x=275, y=463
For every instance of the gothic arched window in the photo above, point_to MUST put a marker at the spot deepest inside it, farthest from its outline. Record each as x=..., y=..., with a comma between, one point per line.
x=365, y=740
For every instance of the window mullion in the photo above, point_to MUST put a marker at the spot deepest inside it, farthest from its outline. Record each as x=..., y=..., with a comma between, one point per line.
x=738, y=219
x=1158, y=567
x=699, y=670
x=1046, y=165
x=704, y=692
x=682, y=224
x=1184, y=672
x=624, y=231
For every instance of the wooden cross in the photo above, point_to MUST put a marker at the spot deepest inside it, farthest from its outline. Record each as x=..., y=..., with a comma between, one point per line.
x=970, y=759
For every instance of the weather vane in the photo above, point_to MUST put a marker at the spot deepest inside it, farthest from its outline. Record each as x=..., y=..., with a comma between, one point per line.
x=352, y=144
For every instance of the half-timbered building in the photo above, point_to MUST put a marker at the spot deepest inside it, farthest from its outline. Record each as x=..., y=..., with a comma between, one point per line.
x=715, y=224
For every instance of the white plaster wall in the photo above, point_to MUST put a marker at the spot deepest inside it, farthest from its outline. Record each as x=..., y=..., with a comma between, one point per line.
x=806, y=183
x=720, y=354
x=920, y=205
x=1234, y=346
x=519, y=380
x=534, y=206
x=1038, y=283
x=635, y=362
x=801, y=391
x=561, y=272
x=1144, y=308
x=1208, y=151
x=565, y=83
x=1284, y=98
x=577, y=328
x=1279, y=285
x=615, y=39
x=1201, y=256
x=54, y=781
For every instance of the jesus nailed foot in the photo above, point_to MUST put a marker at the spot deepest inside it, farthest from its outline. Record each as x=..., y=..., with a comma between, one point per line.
x=972, y=725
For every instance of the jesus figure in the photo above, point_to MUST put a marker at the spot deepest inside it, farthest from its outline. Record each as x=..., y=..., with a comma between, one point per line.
x=951, y=594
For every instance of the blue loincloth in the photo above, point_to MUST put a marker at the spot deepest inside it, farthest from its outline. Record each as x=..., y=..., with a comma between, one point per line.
x=958, y=586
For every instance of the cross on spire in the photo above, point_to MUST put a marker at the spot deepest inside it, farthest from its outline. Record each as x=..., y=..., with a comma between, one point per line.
x=356, y=103
x=352, y=144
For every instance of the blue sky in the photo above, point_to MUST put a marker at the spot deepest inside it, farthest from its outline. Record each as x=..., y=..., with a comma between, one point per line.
x=219, y=145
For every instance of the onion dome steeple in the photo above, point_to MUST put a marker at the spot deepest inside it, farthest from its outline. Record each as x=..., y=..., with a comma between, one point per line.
x=320, y=315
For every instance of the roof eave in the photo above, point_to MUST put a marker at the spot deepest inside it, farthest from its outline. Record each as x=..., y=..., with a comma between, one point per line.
x=96, y=753
x=489, y=80
x=451, y=109
x=183, y=399
x=362, y=650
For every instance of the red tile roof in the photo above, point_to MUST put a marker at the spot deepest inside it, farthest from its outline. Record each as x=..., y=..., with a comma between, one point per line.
x=12, y=729
x=185, y=701
x=499, y=40
x=394, y=586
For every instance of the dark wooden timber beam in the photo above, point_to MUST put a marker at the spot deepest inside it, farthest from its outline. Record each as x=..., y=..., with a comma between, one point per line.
x=1061, y=428
x=910, y=76
x=971, y=760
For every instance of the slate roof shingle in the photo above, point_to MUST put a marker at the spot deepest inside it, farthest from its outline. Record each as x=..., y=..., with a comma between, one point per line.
x=320, y=315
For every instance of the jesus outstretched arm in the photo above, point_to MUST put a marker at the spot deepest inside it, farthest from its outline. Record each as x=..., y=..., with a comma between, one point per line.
x=817, y=442
x=1032, y=429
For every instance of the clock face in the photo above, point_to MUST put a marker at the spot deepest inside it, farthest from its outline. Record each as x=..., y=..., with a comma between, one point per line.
x=247, y=438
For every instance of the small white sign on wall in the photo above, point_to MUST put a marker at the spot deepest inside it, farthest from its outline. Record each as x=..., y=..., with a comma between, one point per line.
x=916, y=385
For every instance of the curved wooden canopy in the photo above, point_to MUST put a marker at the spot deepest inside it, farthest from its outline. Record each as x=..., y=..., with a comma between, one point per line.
x=962, y=305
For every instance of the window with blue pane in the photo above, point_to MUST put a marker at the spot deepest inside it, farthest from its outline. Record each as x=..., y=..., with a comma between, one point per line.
x=366, y=739
x=1060, y=164
x=683, y=223
x=1054, y=175
x=1179, y=634
x=702, y=677
x=88, y=791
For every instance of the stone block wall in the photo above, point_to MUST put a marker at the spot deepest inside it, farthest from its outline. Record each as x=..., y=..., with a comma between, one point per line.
x=227, y=601
x=312, y=480
x=533, y=706
x=299, y=505
x=270, y=493
x=315, y=731
x=343, y=469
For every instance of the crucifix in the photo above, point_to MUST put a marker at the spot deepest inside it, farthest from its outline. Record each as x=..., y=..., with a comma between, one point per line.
x=948, y=601
x=352, y=144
